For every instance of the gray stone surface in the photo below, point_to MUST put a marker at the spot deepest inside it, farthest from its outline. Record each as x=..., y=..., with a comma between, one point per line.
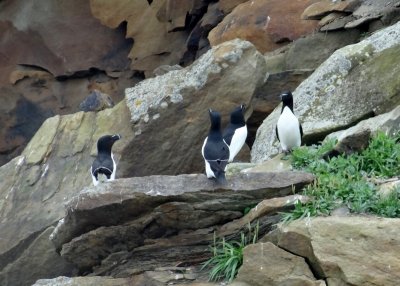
x=355, y=82
x=350, y=250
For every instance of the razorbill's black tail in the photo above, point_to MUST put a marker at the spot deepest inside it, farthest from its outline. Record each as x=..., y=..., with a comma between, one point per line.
x=215, y=151
x=104, y=163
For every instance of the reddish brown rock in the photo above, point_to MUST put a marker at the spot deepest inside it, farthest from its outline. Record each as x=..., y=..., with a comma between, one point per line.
x=159, y=29
x=60, y=37
x=265, y=23
x=228, y=5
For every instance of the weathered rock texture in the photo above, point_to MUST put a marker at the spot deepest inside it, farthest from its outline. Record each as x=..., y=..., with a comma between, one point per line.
x=159, y=28
x=52, y=55
x=170, y=112
x=267, y=264
x=354, y=83
x=56, y=162
x=388, y=123
x=289, y=66
x=349, y=14
x=361, y=250
x=84, y=281
x=162, y=218
x=268, y=24
x=49, y=31
x=35, y=185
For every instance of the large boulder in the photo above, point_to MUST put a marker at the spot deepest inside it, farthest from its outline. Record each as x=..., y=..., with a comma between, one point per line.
x=268, y=24
x=355, y=83
x=166, y=220
x=278, y=267
x=347, y=250
x=177, y=103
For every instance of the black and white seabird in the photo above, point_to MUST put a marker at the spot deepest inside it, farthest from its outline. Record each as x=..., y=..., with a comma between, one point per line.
x=104, y=162
x=288, y=129
x=215, y=151
x=235, y=133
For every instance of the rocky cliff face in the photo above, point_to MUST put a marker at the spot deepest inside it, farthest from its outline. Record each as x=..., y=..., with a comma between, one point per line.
x=164, y=63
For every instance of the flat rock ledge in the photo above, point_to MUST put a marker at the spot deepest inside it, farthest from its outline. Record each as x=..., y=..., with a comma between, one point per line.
x=128, y=226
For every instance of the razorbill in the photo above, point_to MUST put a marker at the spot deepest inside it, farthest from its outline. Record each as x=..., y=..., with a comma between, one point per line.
x=288, y=128
x=215, y=151
x=235, y=133
x=104, y=163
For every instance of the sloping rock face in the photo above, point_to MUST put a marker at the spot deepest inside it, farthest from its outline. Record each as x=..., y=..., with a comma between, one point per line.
x=268, y=24
x=36, y=184
x=54, y=32
x=66, y=53
x=289, y=66
x=56, y=162
x=361, y=250
x=133, y=225
x=178, y=102
x=354, y=83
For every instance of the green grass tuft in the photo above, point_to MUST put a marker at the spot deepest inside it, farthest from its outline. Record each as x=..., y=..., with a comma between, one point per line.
x=228, y=255
x=345, y=180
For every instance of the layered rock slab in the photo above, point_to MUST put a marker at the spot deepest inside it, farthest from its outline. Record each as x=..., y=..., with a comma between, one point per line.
x=162, y=216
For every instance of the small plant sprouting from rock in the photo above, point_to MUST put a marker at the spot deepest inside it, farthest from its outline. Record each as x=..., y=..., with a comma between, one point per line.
x=349, y=180
x=228, y=255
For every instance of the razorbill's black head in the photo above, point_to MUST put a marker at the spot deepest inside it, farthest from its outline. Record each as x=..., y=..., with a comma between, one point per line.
x=215, y=151
x=235, y=133
x=104, y=163
x=288, y=128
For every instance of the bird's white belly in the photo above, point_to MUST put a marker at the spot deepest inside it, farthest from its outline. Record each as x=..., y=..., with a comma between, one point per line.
x=209, y=172
x=238, y=139
x=112, y=177
x=288, y=130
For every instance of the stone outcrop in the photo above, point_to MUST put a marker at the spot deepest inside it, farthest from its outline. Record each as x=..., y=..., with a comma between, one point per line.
x=165, y=216
x=35, y=185
x=267, y=264
x=47, y=32
x=61, y=40
x=289, y=66
x=84, y=281
x=388, y=123
x=268, y=24
x=350, y=14
x=361, y=250
x=159, y=28
x=177, y=103
x=96, y=101
x=348, y=84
